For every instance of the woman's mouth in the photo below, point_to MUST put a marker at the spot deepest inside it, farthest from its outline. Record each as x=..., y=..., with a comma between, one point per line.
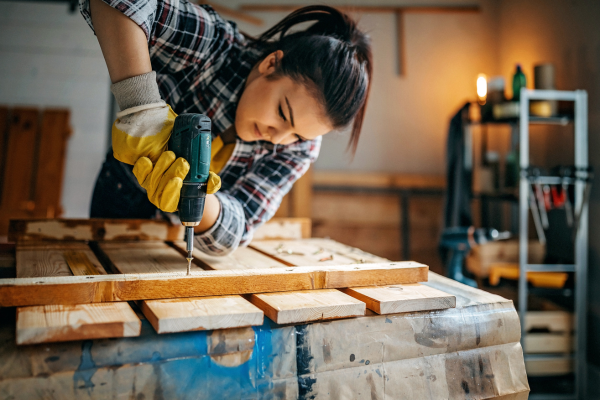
x=257, y=132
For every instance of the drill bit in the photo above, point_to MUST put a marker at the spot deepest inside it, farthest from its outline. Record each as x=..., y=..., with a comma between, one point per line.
x=189, y=239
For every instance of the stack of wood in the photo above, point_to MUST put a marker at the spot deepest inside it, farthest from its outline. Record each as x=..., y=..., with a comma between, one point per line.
x=420, y=334
x=86, y=299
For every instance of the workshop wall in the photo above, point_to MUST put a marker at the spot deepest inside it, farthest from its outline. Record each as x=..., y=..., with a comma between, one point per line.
x=407, y=118
x=50, y=58
x=565, y=34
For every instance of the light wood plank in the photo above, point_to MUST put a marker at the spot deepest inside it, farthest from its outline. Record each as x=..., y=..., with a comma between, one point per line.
x=145, y=257
x=539, y=343
x=553, y=321
x=59, y=323
x=201, y=313
x=241, y=258
x=402, y=298
x=101, y=288
x=49, y=259
x=284, y=229
x=314, y=252
x=93, y=229
x=307, y=305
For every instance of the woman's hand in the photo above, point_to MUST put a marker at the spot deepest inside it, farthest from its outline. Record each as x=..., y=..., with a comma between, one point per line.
x=163, y=182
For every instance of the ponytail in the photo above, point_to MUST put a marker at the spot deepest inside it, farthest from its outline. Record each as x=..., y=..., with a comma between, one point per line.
x=332, y=57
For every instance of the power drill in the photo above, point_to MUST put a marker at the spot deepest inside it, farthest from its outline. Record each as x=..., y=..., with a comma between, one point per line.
x=191, y=140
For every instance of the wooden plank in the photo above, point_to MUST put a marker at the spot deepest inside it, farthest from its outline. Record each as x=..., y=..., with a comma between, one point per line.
x=540, y=343
x=235, y=14
x=301, y=196
x=314, y=251
x=284, y=229
x=553, y=321
x=201, y=313
x=337, y=179
x=93, y=229
x=549, y=367
x=144, y=257
x=402, y=298
x=241, y=258
x=54, y=133
x=101, y=288
x=19, y=174
x=4, y=128
x=59, y=323
x=307, y=305
x=50, y=259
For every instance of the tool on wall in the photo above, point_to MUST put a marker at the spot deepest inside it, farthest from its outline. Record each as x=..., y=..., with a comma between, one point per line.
x=460, y=241
x=191, y=140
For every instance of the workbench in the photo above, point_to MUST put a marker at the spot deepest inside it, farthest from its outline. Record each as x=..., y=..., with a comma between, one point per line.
x=471, y=351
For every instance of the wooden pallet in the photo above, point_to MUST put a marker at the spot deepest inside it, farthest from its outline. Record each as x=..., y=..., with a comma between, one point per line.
x=290, y=281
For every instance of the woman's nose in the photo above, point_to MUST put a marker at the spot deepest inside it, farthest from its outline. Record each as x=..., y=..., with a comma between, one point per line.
x=279, y=135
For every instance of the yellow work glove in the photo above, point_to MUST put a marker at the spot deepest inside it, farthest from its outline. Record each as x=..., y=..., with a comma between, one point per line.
x=163, y=180
x=142, y=131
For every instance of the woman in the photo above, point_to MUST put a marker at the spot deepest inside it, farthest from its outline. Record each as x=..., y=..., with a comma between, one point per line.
x=270, y=100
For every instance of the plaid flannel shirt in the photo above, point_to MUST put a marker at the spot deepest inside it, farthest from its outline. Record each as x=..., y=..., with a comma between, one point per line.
x=202, y=62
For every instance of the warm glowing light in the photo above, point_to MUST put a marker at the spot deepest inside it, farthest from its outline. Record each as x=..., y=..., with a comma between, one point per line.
x=481, y=88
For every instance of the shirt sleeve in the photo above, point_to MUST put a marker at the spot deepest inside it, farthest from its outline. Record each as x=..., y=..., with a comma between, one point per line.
x=180, y=34
x=256, y=196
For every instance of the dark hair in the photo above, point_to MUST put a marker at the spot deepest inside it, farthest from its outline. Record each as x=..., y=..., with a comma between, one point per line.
x=332, y=57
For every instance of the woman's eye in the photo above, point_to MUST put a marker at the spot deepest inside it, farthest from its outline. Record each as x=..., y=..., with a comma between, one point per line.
x=281, y=114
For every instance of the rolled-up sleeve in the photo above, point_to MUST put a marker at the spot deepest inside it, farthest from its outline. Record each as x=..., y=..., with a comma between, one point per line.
x=180, y=34
x=256, y=196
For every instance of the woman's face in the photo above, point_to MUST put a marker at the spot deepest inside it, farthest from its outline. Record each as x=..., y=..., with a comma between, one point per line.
x=278, y=110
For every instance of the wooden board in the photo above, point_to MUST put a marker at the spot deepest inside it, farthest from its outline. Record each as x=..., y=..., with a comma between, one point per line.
x=241, y=258
x=308, y=305
x=93, y=229
x=549, y=367
x=145, y=257
x=539, y=343
x=50, y=259
x=402, y=298
x=201, y=313
x=60, y=323
x=552, y=321
x=101, y=288
x=314, y=252
x=284, y=229
x=51, y=158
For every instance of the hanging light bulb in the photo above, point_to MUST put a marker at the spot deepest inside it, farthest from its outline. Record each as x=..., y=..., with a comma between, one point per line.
x=481, y=88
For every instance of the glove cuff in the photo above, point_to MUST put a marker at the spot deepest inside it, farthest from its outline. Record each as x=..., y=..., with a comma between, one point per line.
x=136, y=91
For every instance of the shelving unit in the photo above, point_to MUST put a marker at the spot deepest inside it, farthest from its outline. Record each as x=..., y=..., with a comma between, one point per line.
x=579, y=97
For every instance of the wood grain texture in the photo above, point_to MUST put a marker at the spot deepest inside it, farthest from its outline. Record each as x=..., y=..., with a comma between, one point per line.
x=553, y=321
x=48, y=259
x=101, y=288
x=284, y=229
x=145, y=257
x=307, y=305
x=402, y=298
x=241, y=258
x=93, y=229
x=58, y=323
x=201, y=313
x=314, y=252
x=54, y=133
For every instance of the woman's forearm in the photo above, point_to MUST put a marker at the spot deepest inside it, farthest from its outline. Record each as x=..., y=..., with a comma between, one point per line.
x=212, y=209
x=123, y=43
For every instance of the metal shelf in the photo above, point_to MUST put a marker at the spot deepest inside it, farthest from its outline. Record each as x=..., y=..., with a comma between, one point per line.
x=550, y=267
x=581, y=239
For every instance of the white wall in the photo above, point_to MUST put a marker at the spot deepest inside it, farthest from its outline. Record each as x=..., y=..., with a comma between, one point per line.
x=50, y=58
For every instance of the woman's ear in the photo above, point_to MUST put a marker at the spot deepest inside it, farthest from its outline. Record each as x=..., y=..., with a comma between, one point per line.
x=269, y=64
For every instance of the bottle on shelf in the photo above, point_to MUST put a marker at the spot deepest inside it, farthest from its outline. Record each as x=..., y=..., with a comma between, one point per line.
x=519, y=82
